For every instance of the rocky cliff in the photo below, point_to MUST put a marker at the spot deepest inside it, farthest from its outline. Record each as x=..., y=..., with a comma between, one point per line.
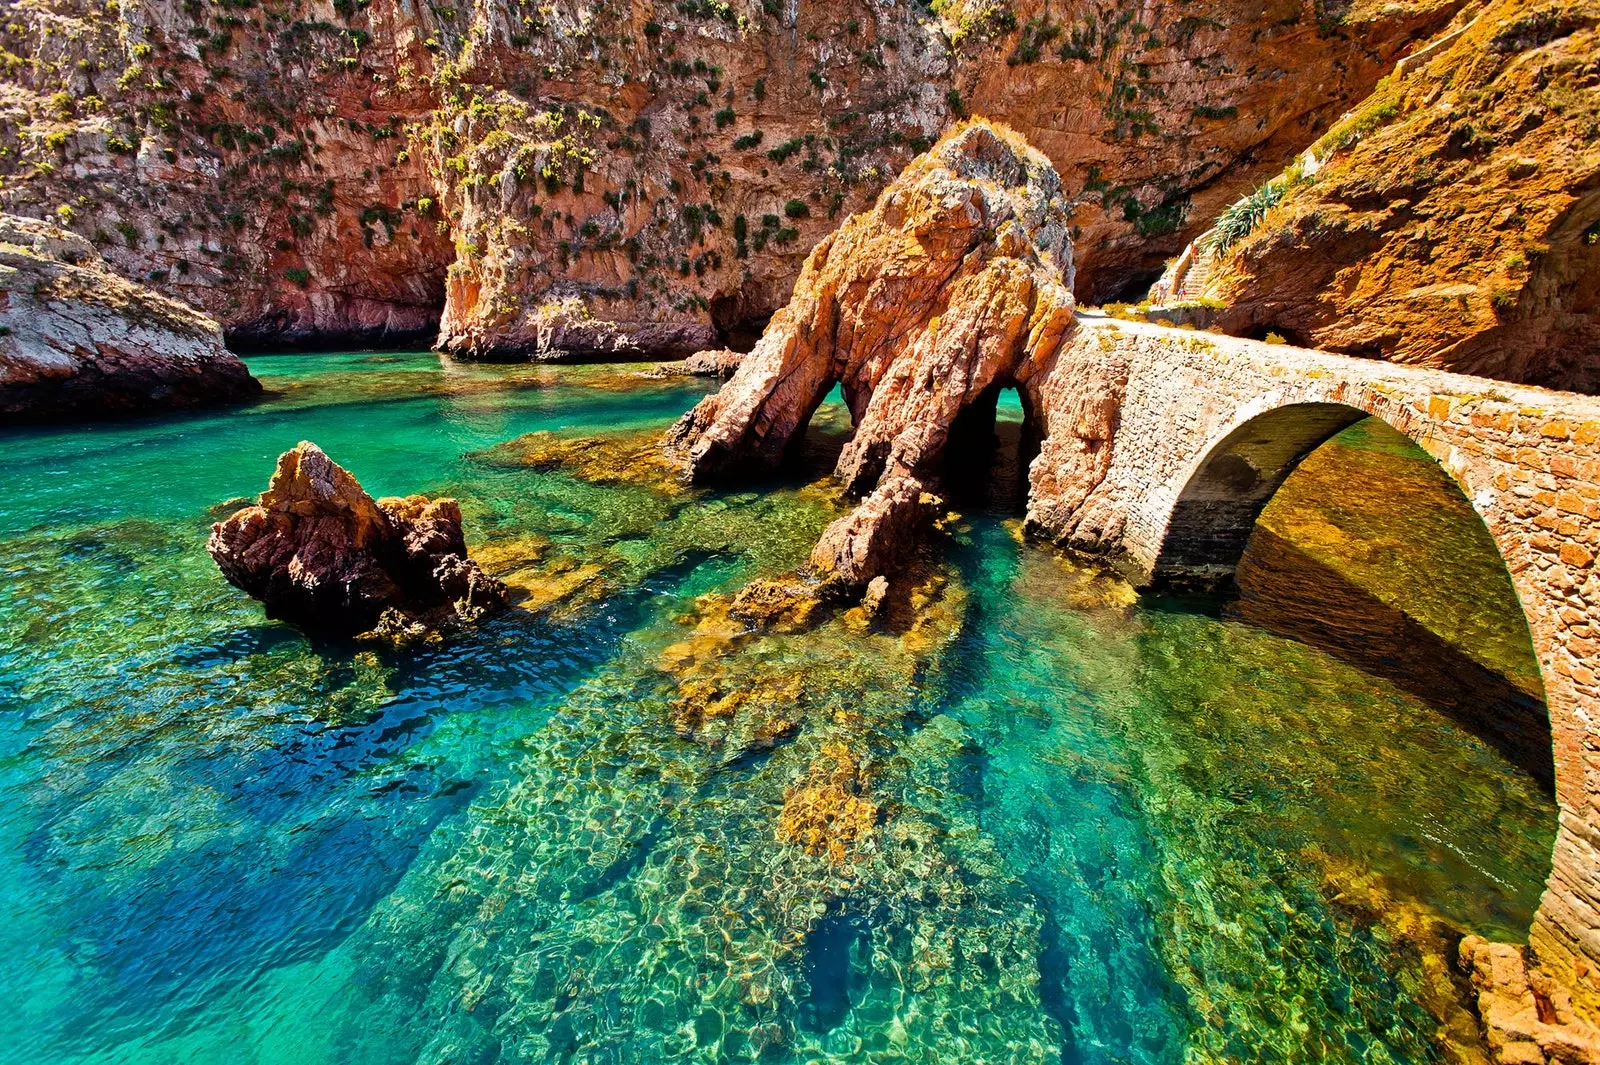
x=78, y=341
x=1453, y=220
x=625, y=175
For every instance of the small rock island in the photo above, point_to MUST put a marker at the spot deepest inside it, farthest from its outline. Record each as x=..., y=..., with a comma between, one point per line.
x=319, y=551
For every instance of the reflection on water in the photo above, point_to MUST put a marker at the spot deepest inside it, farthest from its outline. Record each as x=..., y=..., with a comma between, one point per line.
x=1372, y=553
x=1083, y=828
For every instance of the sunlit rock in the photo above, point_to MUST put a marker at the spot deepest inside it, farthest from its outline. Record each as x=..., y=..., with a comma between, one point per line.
x=956, y=284
x=322, y=553
x=828, y=811
x=77, y=341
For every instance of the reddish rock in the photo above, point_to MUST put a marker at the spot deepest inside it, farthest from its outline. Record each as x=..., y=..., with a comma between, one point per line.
x=1527, y=1018
x=322, y=553
x=957, y=283
x=333, y=174
x=716, y=362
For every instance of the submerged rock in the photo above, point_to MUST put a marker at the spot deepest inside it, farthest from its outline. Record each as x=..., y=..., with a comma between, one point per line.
x=828, y=812
x=77, y=341
x=956, y=284
x=1527, y=1017
x=322, y=553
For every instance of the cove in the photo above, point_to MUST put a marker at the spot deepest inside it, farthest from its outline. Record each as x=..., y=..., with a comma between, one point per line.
x=1108, y=828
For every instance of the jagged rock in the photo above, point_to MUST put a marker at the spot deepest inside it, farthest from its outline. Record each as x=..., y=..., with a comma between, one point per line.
x=322, y=553
x=76, y=341
x=956, y=283
x=1527, y=1018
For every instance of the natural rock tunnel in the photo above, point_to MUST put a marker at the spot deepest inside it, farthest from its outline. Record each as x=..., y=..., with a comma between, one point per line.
x=957, y=283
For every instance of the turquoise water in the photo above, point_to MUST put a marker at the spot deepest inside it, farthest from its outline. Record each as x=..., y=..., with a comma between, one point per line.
x=1097, y=829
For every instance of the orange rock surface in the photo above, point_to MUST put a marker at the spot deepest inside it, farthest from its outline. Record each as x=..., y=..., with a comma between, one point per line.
x=1458, y=225
x=956, y=283
x=322, y=553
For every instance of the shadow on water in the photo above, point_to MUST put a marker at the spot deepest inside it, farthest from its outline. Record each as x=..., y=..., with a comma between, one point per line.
x=1285, y=591
x=186, y=941
x=835, y=965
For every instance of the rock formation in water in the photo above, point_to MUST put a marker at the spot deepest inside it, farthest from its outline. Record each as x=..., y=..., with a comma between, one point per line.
x=322, y=553
x=715, y=362
x=77, y=341
x=956, y=284
x=1453, y=220
x=625, y=175
x=1527, y=1017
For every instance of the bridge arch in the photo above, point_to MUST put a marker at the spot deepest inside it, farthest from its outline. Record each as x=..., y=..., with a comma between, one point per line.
x=1207, y=427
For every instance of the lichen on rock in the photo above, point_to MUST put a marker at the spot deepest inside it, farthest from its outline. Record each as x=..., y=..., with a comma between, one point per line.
x=320, y=552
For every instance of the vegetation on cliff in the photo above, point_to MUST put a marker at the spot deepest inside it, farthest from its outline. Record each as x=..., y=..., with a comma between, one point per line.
x=1453, y=219
x=626, y=173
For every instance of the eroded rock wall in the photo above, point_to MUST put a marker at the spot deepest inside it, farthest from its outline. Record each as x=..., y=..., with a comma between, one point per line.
x=626, y=175
x=246, y=159
x=1456, y=221
x=956, y=284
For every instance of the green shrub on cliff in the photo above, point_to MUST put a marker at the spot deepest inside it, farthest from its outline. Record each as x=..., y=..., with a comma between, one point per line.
x=1238, y=219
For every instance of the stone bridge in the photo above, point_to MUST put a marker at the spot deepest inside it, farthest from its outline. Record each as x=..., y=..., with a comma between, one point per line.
x=1162, y=447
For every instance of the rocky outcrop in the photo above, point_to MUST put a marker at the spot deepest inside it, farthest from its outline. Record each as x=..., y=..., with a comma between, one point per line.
x=77, y=341
x=628, y=177
x=322, y=553
x=956, y=284
x=1527, y=1017
x=716, y=362
x=1453, y=220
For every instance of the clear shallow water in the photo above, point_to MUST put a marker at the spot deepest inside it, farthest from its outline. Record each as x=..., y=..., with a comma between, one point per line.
x=1104, y=830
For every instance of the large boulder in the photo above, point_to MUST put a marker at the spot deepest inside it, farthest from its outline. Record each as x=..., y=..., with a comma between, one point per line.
x=322, y=553
x=957, y=283
x=77, y=341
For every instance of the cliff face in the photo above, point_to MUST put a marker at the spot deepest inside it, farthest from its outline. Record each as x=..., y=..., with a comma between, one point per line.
x=78, y=341
x=1456, y=219
x=596, y=177
x=244, y=159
